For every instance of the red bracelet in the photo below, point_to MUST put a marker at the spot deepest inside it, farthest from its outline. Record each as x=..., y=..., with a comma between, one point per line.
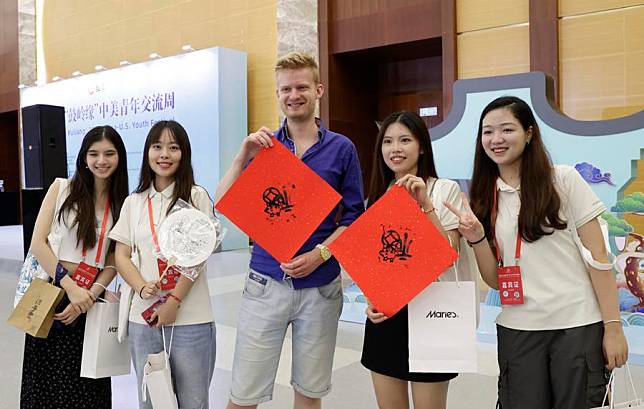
x=170, y=295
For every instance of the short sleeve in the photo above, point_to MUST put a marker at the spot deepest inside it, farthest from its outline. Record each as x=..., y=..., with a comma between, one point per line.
x=121, y=230
x=447, y=191
x=580, y=197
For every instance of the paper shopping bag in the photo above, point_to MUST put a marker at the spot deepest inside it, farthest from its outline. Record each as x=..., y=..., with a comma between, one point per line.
x=442, y=328
x=34, y=313
x=157, y=382
x=103, y=354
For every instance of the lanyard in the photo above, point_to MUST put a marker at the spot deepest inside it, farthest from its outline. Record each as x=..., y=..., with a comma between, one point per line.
x=517, y=250
x=99, y=250
x=152, y=230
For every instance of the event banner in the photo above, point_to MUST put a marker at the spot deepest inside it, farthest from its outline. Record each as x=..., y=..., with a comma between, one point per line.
x=203, y=90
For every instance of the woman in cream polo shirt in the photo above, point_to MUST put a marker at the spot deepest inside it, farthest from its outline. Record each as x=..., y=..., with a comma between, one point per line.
x=559, y=328
x=186, y=314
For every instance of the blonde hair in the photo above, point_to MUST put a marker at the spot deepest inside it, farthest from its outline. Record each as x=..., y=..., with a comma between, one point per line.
x=296, y=61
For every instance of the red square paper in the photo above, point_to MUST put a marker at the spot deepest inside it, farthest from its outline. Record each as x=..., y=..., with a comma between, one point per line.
x=393, y=251
x=278, y=201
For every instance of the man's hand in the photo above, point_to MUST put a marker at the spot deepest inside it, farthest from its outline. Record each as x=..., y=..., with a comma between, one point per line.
x=303, y=265
x=253, y=143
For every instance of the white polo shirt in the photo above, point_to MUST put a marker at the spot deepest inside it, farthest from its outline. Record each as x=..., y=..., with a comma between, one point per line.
x=195, y=307
x=557, y=289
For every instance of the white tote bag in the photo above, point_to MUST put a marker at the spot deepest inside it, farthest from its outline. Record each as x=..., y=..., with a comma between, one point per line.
x=157, y=378
x=442, y=328
x=103, y=354
x=635, y=403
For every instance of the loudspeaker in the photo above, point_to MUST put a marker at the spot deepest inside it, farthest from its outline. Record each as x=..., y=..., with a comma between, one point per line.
x=44, y=144
x=31, y=201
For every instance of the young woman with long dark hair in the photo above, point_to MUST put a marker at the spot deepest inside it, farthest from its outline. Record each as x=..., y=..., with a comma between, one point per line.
x=70, y=237
x=403, y=156
x=166, y=177
x=559, y=328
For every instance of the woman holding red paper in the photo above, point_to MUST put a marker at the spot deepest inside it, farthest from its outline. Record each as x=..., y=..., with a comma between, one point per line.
x=70, y=243
x=404, y=156
x=159, y=296
x=560, y=328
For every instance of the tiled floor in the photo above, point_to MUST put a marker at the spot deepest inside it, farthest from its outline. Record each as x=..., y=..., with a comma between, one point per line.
x=351, y=382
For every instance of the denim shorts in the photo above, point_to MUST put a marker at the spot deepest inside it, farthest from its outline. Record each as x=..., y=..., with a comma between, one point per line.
x=268, y=306
x=192, y=359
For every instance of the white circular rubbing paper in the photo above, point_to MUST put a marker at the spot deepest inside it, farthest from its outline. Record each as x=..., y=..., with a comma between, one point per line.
x=188, y=236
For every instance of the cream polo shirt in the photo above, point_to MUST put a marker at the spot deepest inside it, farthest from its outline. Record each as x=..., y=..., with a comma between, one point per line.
x=557, y=289
x=66, y=231
x=195, y=307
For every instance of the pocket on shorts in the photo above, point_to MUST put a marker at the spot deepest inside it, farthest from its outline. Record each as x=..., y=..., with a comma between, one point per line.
x=256, y=285
x=596, y=379
x=331, y=291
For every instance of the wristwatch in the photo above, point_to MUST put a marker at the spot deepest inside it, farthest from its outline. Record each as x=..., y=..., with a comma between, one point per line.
x=325, y=253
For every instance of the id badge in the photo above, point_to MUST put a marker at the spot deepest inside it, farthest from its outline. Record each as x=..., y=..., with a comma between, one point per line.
x=85, y=275
x=171, y=277
x=147, y=314
x=510, y=285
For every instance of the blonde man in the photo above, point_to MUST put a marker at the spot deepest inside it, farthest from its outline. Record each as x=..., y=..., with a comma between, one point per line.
x=306, y=292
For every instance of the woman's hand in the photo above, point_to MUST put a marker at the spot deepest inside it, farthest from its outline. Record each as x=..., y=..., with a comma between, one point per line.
x=80, y=298
x=614, y=346
x=68, y=315
x=166, y=313
x=417, y=189
x=468, y=225
x=375, y=316
x=149, y=290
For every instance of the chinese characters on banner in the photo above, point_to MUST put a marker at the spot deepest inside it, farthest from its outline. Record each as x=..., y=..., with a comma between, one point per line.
x=278, y=201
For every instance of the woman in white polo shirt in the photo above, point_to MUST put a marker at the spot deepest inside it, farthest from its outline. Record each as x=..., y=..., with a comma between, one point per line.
x=559, y=328
x=186, y=314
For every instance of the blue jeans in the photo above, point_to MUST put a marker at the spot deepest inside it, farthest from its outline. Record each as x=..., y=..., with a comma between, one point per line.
x=268, y=307
x=192, y=359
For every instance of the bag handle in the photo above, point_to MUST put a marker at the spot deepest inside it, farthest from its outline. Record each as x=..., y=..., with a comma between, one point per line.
x=610, y=387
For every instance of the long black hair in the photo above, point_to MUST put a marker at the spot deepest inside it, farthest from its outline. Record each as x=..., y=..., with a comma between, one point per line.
x=81, y=187
x=381, y=175
x=184, y=176
x=540, y=202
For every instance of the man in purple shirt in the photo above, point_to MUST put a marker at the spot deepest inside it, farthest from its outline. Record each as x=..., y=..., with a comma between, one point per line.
x=306, y=292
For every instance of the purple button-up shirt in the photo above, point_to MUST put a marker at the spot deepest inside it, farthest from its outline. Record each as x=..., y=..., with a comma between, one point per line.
x=335, y=159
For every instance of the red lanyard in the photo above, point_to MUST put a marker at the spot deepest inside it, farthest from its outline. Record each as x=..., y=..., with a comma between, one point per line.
x=517, y=250
x=152, y=230
x=99, y=250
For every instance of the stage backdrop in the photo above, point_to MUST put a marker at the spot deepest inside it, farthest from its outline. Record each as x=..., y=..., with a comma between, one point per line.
x=203, y=90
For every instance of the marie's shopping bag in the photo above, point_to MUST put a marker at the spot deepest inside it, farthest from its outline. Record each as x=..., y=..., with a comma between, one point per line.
x=157, y=378
x=635, y=403
x=103, y=354
x=34, y=313
x=442, y=329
